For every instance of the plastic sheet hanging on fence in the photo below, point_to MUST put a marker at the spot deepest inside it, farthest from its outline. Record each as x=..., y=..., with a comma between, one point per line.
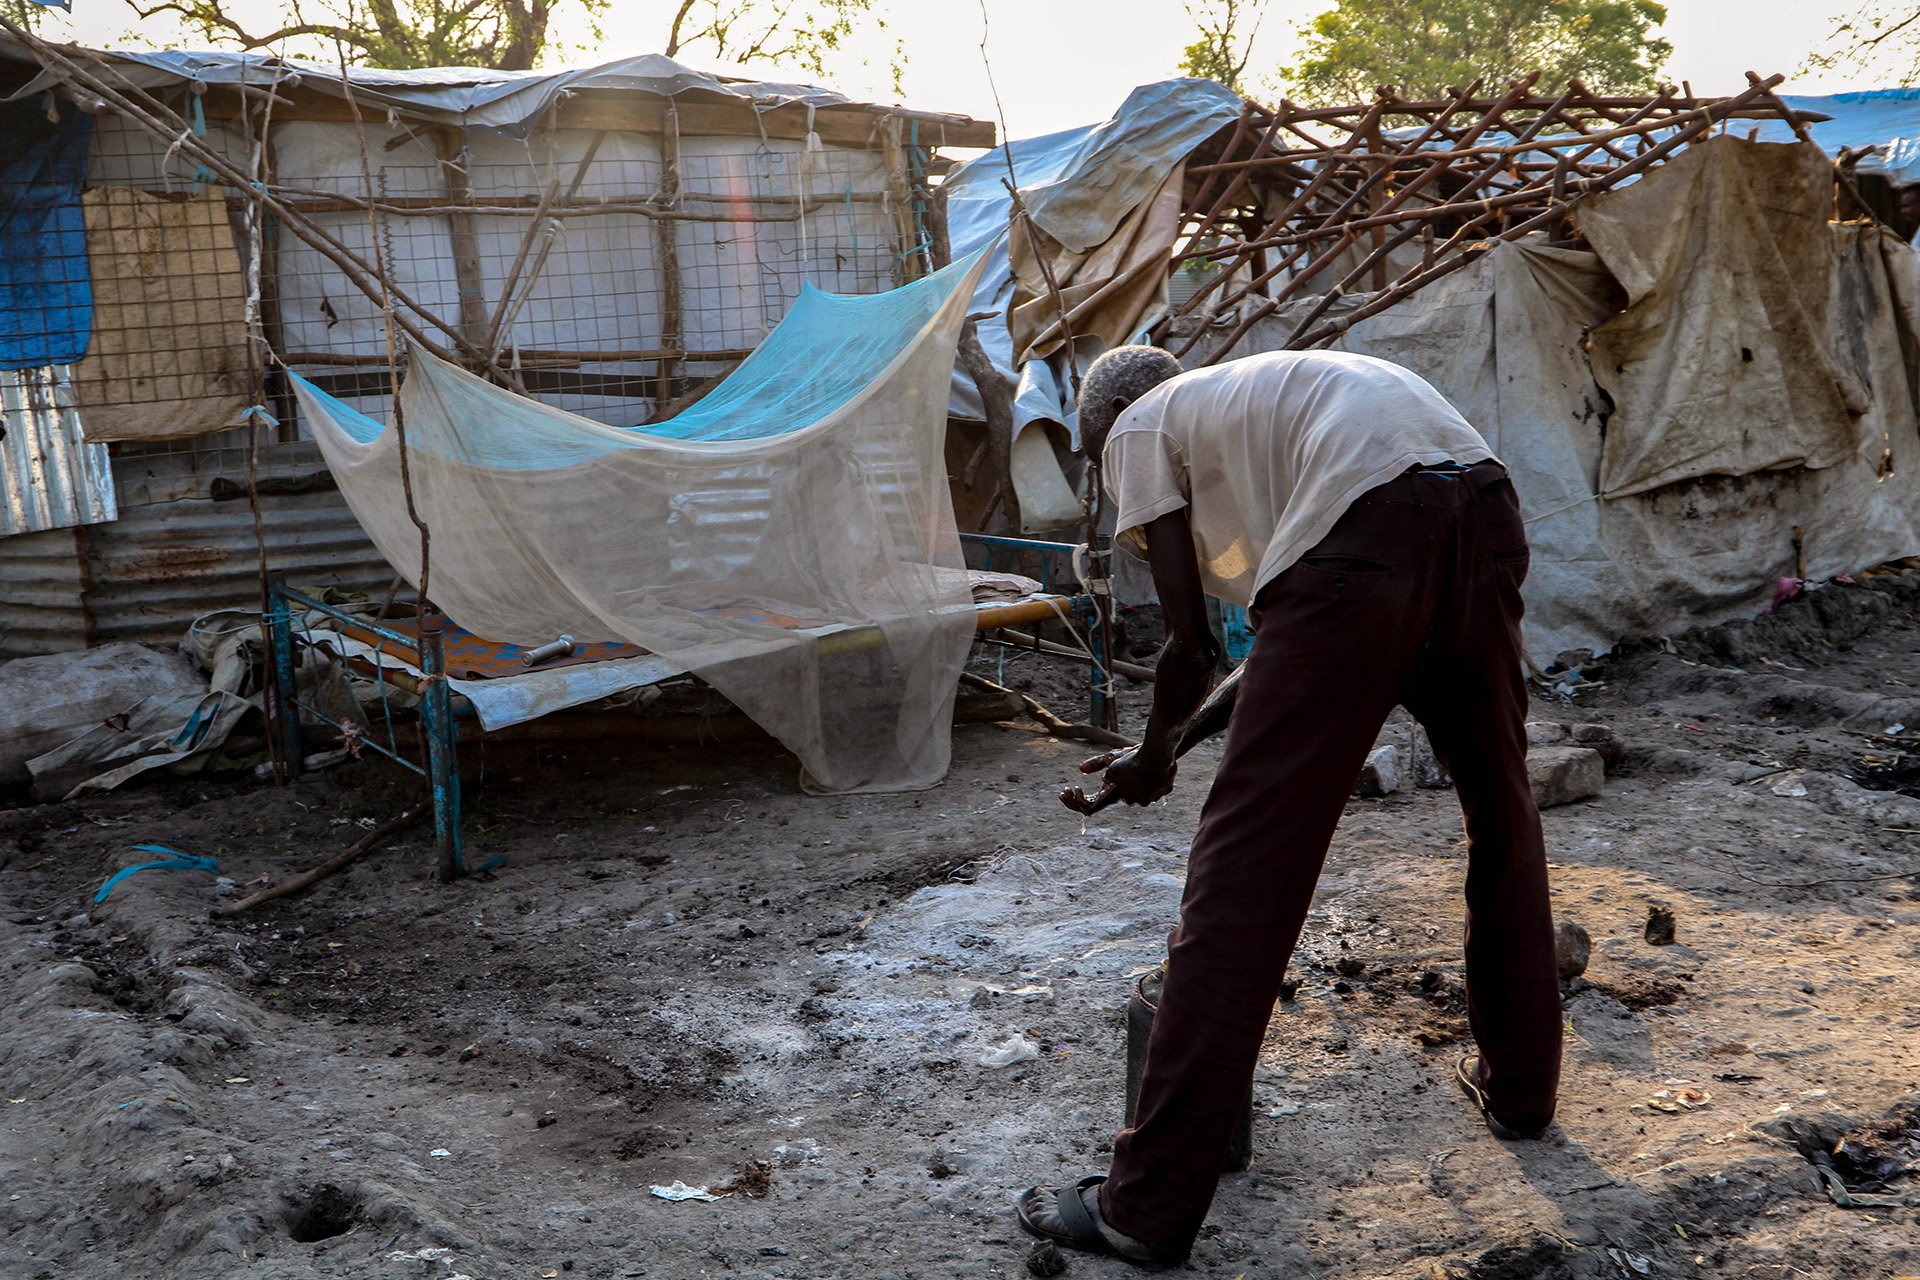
x=1721, y=362
x=46, y=303
x=1506, y=340
x=809, y=489
x=1079, y=184
x=169, y=353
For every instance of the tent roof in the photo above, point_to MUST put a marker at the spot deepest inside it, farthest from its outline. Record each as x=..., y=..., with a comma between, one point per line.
x=511, y=102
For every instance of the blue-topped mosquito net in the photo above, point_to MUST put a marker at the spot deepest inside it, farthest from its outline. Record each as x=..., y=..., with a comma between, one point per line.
x=789, y=538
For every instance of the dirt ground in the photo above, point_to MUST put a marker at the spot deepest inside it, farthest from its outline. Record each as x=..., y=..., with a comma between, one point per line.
x=689, y=971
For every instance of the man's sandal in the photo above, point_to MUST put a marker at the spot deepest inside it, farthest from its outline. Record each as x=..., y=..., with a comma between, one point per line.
x=1466, y=1074
x=1061, y=1215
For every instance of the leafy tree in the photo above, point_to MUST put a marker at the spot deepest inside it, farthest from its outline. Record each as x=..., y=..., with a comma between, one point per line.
x=1424, y=47
x=23, y=13
x=790, y=32
x=511, y=35
x=507, y=35
x=1227, y=30
x=1881, y=39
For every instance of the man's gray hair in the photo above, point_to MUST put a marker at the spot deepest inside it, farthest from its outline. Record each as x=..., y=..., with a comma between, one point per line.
x=1123, y=374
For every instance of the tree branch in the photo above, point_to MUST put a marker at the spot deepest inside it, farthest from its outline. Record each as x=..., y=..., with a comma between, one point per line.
x=673, y=32
x=1894, y=30
x=210, y=16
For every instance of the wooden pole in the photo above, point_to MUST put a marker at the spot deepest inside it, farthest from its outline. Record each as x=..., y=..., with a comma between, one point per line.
x=666, y=239
x=470, y=284
x=345, y=858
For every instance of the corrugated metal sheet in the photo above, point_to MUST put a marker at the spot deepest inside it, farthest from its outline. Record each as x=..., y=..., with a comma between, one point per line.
x=148, y=574
x=40, y=592
x=50, y=477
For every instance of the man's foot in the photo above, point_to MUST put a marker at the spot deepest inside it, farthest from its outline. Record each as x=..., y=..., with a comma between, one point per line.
x=1070, y=1216
x=1466, y=1073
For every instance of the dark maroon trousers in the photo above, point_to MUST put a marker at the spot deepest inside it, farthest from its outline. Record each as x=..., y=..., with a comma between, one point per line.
x=1412, y=599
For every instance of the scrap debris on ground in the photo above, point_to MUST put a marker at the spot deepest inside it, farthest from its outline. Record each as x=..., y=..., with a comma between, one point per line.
x=861, y=1023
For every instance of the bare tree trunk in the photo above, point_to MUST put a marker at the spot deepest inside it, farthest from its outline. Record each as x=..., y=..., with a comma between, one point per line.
x=526, y=32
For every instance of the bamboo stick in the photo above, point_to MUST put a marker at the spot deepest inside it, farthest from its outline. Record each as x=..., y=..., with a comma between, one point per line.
x=1046, y=719
x=536, y=357
x=1439, y=164
x=1581, y=140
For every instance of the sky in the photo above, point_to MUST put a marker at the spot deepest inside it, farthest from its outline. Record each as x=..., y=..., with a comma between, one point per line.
x=1062, y=63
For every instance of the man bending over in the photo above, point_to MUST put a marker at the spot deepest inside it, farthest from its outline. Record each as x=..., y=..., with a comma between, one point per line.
x=1378, y=546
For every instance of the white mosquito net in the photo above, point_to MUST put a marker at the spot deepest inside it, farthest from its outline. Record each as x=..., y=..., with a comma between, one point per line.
x=789, y=539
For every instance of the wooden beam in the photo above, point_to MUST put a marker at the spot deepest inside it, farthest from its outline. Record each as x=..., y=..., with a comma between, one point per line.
x=469, y=283
x=847, y=126
x=667, y=256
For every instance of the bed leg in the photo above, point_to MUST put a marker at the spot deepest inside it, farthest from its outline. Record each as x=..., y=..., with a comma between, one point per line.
x=1098, y=678
x=285, y=688
x=443, y=770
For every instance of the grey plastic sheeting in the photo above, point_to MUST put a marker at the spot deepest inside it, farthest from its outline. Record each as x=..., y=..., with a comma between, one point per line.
x=512, y=102
x=1078, y=185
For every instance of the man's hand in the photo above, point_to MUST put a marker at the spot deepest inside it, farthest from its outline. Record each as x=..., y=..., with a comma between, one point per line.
x=1129, y=777
x=1136, y=779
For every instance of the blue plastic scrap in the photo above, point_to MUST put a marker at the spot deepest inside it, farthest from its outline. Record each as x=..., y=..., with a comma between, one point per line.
x=177, y=862
x=46, y=286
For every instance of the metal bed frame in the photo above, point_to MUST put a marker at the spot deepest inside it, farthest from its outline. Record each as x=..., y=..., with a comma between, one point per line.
x=440, y=712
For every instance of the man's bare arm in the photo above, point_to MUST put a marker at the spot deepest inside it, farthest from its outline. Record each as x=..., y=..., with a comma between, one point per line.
x=1185, y=670
x=1186, y=666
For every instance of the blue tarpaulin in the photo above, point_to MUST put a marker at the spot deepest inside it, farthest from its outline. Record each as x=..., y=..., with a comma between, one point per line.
x=46, y=291
x=1885, y=118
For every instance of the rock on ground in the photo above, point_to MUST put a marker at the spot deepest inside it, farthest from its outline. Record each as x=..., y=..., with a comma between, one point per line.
x=1562, y=775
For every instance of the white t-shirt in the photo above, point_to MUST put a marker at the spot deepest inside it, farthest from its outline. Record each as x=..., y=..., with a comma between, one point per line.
x=1269, y=452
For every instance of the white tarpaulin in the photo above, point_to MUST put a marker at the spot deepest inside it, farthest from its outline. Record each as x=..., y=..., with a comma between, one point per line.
x=510, y=102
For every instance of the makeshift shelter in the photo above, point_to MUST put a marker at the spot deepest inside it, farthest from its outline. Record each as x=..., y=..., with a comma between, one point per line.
x=1080, y=186
x=608, y=240
x=1694, y=350
x=1191, y=214
x=1715, y=390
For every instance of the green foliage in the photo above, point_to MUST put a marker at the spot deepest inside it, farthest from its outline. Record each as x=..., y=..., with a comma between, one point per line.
x=506, y=35
x=24, y=13
x=1425, y=47
x=511, y=35
x=1227, y=29
x=801, y=34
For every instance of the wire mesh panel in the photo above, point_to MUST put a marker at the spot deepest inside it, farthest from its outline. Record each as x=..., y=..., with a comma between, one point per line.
x=325, y=319
x=600, y=271
x=168, y=357
x=193, y=235
x=572, y=280
x=122, y=259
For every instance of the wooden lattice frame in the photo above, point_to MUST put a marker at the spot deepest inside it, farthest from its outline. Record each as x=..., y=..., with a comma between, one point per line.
x=1283, y=194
